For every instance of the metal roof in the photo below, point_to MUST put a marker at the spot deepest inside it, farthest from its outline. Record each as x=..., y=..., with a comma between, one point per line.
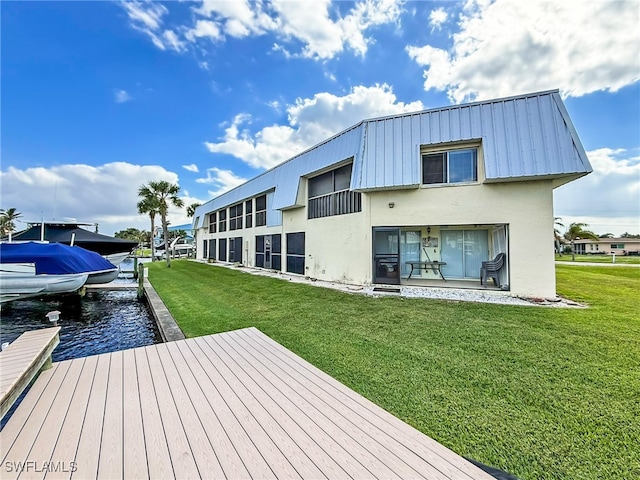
x=525, y=137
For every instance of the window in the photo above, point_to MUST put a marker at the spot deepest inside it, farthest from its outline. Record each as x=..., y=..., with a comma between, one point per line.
x=222, y=220
x=261, y=211
x=248, y=219
x=329, y=194
x=212, y=249
x=212, y=222
x=455, y=166
x=235, y=217
x=618, y=246
x=295, y=253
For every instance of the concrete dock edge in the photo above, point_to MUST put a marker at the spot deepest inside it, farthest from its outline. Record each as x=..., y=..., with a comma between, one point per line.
x=169, y=329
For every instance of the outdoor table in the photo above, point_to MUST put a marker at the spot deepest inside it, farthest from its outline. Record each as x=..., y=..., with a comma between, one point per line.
x=436, y=267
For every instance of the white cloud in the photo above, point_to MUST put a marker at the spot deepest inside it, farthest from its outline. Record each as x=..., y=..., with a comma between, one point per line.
x=146, y=17
x=437, y=17
x=172, y=41
x=204, y=29
x=323, y=37
x=310, y=121
x=106, y=194
x=317, y=25
x=239, y=18
x=192, y=168
x=145, y=14
x=222, y=180
x=508, y=47
x=609, y=198
x=121, y=96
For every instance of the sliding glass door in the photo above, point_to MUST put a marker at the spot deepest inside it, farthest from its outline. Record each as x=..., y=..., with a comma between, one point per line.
x=463, y=251
x=410, y=243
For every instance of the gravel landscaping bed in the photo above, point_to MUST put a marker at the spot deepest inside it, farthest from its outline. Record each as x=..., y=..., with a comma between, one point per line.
x=452, y=294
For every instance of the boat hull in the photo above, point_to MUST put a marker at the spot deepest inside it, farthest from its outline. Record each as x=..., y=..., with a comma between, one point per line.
x=102, y=277
x=117, y=258
x=16, y=285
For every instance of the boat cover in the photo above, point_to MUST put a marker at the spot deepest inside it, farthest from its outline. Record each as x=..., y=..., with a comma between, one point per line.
x=54, y=258
x=103, y=244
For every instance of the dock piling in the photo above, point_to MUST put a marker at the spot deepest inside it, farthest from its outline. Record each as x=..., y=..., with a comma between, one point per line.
x=140, y=271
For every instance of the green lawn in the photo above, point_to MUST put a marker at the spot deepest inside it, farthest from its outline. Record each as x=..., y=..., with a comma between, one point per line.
x=539, y=392
x=627, y=260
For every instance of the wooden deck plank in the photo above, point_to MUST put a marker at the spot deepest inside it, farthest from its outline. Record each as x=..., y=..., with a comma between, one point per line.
x=155, y=437
x=205, y=399
x=323, y=416
x=19, y=451
x=134, y=449
x=88, y=453
x=110, y=464
x=232, y=405
x=19, y=418
x=405, y=462
x=231, y=418
x=259, y=453
x=263, y=390
x=201, y=448
x=413, y=439
x=184, y=464
x=401, y=461
x=67, y=444
x=52, y=424
x=21, y=362
x=286, y=443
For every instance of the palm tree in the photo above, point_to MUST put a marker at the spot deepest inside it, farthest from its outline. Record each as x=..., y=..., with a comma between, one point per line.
x=149, y=205
x=7, y=218
x=191, y=209
x=575, y=232
x=165, y=195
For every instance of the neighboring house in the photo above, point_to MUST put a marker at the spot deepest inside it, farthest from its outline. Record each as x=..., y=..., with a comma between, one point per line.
x=458, y=185
x=608, y=246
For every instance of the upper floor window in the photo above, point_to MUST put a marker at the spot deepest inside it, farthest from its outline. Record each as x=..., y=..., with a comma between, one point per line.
x=235, y=217
x=222, y=220
x=212, y=222
x=329, y=194
x=261, y=210
x=248, y=208
x=454, y=166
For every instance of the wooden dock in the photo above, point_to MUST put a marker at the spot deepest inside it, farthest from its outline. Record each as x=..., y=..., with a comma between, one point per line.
x=21, y=361
x=232, y=405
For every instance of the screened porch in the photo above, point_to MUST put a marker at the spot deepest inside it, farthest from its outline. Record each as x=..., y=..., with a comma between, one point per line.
x=441, y=255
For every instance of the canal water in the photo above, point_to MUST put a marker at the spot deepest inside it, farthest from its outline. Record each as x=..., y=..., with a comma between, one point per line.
x=99, y=322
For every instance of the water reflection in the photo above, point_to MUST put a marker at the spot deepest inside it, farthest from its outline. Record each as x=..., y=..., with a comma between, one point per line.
x=97, y=323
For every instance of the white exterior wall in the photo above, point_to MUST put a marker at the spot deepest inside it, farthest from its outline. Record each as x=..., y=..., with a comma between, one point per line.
x=526, y=207
x=339, y=248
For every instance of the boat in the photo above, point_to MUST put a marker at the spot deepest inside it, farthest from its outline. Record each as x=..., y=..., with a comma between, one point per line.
x=178, y=247
x=29, y=269
x=70, y=233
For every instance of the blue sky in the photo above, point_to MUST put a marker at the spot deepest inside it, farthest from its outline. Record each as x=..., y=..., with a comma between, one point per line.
x=101, y=97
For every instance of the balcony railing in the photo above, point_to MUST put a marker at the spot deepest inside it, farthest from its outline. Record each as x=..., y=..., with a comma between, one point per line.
x=336, y=203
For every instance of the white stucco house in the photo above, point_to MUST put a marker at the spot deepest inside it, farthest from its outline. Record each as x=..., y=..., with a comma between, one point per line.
x=419, y=198
x=608, y=246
